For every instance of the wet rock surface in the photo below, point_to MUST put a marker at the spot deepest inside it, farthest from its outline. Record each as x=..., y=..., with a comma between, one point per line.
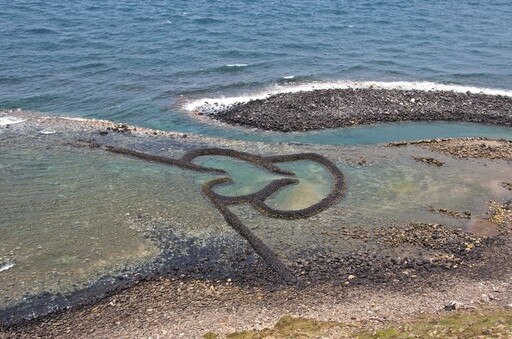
x=333, y=108
x=464, y=148
x=454, y=214
x=429, y=161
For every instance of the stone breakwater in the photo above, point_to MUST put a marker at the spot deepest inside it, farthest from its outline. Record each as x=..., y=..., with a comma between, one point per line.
x=332, y=108
x=256, y=199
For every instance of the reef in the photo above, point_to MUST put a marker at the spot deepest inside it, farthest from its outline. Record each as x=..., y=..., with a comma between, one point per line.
x=466, y=148
x=332, y=108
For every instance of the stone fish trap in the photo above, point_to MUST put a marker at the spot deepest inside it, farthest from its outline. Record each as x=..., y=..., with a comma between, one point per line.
x=257, y=199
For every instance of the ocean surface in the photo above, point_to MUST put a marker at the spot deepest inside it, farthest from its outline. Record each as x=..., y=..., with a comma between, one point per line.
x=146, y=63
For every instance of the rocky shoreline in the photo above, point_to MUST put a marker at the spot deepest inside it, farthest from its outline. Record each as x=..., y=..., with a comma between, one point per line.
x=333, y=108
x=170, y=307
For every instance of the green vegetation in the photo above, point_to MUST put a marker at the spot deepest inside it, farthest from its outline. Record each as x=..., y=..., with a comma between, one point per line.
x=289, y=327
x=483, y=323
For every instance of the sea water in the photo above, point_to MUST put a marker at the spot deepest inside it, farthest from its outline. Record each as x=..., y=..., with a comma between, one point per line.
x=146, y=63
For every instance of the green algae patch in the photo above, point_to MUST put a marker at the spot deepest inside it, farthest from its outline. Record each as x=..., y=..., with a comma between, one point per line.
x=462, y=324
x=290, y=327
x=386, y=333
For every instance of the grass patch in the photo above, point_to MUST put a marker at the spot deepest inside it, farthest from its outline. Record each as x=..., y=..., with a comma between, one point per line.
x=483, y=323
x=463, y=324
x=290, y=327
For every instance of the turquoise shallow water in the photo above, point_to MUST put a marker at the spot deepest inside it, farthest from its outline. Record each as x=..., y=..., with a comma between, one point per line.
x=136, y=62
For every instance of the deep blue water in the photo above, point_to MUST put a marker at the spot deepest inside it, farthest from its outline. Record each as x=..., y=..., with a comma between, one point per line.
x=136, y=62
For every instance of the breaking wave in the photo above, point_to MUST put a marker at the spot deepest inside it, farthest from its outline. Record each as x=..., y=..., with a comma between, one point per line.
x=210, y=105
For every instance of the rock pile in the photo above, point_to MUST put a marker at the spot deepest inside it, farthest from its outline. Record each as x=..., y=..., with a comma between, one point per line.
x=332, y=108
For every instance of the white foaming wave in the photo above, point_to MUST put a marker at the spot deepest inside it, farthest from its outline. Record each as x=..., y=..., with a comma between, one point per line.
x=237, y=65
x=289, y=77
x=75, y=119
x=212, y=105
x=5, y=267
x=8, y=120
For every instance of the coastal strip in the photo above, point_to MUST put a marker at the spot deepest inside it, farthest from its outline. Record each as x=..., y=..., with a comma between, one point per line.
x=334, y=108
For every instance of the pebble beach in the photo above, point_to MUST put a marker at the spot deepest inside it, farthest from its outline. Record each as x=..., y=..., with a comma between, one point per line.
x=334, y=108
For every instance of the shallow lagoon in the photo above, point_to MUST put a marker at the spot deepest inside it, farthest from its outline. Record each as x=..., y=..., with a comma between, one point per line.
x=72, y=215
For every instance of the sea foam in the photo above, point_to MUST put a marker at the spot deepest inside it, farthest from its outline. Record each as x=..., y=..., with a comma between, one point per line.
x=212, y=105
x=5, y=267
x=237, y=65
x=8, y=120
